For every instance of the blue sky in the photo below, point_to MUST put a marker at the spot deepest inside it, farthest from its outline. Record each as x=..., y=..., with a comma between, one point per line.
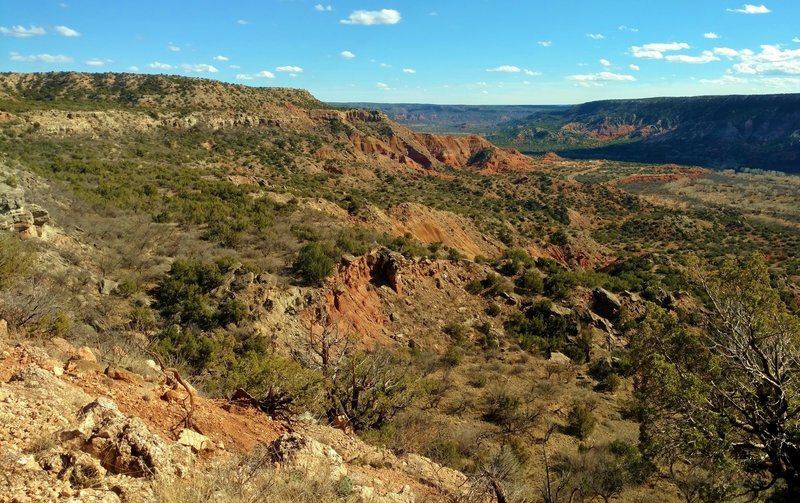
x=437, y=51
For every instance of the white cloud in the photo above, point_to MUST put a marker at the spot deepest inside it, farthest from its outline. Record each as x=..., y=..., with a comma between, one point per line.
x=710, y=35
x=505, y=69
x=234, y=67
x=174, y=48
x=347, y=55
x=244, y=76
x=133, y=68
x=385, y=65
x=160, y=66
x=199, y=68
x=664, y=47
x=605, y=62
x=545, y=43
x=771, y=60
x=220, y=58
x=39, y=58
x=634, y=67
x=243, y=21
x=409, y=70
x=323, y=8
x=601, y=77
x=752, y=9
x=381, y=85
x=796, y=39
x=97, y=62
x=726, y=79
x=372, y=17
x=726, y=51
x=66, y=31
x=656, y=50
x=264, y=74
x=781, y=83
x=628, y=28
x=531, y=73
x=596, y=36
x=705, y=57
x=20, y=31
x=289, y=69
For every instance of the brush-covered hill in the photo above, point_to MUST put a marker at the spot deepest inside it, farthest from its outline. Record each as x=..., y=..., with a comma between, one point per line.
x=760, y=131
x=134, y=102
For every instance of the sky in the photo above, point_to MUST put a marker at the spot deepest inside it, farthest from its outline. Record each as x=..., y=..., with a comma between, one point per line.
x=436, y=51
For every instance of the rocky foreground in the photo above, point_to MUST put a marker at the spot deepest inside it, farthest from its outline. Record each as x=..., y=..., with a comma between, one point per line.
x=73, y=428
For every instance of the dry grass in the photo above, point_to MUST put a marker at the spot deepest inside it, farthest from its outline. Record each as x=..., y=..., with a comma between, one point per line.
x=249, y=479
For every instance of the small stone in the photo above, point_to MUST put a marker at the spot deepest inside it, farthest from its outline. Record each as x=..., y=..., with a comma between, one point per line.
x=85, y=354
x=119, y=374
x=196, y=441
x=557, y=357
x=108, y=286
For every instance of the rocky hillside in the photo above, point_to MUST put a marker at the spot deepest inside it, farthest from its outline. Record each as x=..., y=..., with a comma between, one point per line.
x=716, y=131
x=123, y=103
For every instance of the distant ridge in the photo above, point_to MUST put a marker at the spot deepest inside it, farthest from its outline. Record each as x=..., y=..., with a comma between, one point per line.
x=758, y=131
x=735, y=131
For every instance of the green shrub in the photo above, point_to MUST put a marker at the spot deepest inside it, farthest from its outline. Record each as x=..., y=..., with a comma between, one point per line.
x=581, y=421
x=559, y=238
x=454, y=356
x=501, y=407
x=16, y=258
x=344, y=487
x=456, y=331
x=514, y=260
x=531, y=282
x=493, y=309
x=478, y=380
x=231, y=311
x=314, y=263
x=454, y=255
x=560, y=284
x=445, y=452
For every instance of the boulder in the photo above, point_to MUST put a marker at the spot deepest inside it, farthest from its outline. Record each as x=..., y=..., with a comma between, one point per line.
x=559, y=310
x=107, y=286
x=40, y=215
x=385, y=266
x=605, y=303
x=601, y=323
x=119, y=374
x=61, y=347
x=85, y=354
x=123, y=444
x=632, y=296
x=195, y=441
x=307, y=455
x=11, y=199
x=557, y=357
x=77, y=467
